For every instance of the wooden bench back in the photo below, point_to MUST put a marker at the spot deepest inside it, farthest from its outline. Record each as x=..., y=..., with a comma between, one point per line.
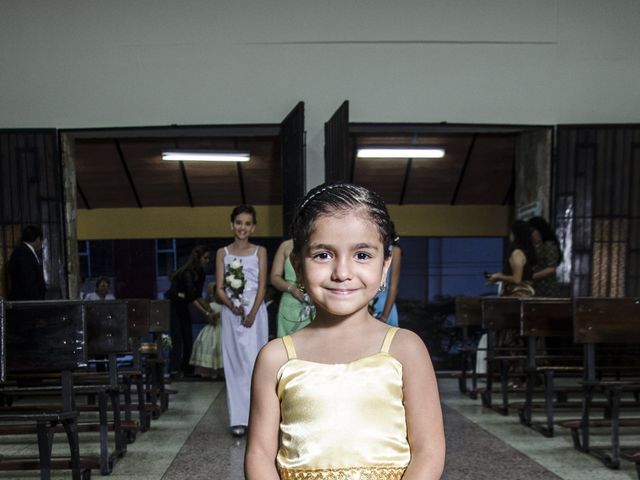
x=547, y=317
x=606, y=320
x=499, y=313
x=3, y=350
x=138, y=317
x=159, y=316
x=45, y=336
x=469, y=311
x=107, y=327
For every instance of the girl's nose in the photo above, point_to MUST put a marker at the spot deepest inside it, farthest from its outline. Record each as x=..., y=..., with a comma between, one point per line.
x=341, y=271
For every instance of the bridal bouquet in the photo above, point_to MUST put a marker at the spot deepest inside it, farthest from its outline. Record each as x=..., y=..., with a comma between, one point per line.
x=234, y=282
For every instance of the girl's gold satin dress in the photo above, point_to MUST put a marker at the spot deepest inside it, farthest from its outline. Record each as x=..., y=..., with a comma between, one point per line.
x=342, y=421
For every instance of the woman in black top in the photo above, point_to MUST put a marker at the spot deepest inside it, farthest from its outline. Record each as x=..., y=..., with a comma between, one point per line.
x=186, y=289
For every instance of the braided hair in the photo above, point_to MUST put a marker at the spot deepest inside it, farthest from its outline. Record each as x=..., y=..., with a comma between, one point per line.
x=340, y=198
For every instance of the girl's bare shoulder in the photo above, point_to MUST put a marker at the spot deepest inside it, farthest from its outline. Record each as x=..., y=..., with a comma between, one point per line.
x=273, y=355
x=408, y=347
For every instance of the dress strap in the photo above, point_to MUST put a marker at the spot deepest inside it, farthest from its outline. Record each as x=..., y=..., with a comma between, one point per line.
x=256, y=252
x=226, y=251
x=288, y=344
x=388, y=338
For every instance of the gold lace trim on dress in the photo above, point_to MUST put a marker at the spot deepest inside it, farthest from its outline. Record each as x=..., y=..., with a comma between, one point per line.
x=352, y=473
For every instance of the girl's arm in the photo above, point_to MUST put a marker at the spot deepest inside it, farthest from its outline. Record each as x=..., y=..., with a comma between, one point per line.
x=277, y=272
x=425, y=428
x=262, y=288
x=517, y=260
x=264, y=416
x=220, y=293
x=394, y=281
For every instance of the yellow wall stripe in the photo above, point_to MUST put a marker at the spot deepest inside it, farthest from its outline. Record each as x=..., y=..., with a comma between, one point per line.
x=212, y=222
x=170, y=222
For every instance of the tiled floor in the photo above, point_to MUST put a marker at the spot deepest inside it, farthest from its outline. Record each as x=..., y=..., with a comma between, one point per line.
x=556, y=454
x=191, y=441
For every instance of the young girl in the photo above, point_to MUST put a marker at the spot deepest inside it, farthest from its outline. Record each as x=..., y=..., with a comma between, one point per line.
x=347, y=397
x=245, y=327
x=206, y=355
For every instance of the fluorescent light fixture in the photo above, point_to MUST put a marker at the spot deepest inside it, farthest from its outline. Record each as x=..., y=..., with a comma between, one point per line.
x=400, y=152
x=205, y=156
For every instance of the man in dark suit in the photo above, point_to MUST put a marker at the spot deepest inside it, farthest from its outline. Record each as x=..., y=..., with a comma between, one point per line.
x=26, y=278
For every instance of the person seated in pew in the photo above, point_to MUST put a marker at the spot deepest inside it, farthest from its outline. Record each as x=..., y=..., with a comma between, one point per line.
x=103, y=285
x=548, y=255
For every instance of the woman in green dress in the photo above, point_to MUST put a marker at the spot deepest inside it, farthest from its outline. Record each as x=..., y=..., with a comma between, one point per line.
x=295, y=310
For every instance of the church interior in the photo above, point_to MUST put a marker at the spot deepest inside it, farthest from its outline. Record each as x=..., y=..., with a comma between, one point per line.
x=532, y=109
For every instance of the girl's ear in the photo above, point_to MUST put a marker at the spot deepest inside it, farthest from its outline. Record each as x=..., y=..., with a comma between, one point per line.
x=385, y=269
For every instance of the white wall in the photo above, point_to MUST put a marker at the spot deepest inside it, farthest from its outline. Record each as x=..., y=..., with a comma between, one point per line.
x=89, y=63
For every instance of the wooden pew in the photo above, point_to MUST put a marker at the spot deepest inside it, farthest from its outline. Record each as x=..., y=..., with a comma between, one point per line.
x=599, y=321
x=500, y=314
x=543, y=318
x=46, y=337
x=107, y=333
x=468, y=315
x=138, y=315
x=159, y=323
x=106, y=336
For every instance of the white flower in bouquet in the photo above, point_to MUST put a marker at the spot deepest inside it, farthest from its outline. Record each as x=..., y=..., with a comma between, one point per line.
x=234, y=282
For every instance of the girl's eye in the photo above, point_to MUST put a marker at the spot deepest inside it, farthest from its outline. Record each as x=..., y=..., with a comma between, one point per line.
x=362, y=256
x=321, y=256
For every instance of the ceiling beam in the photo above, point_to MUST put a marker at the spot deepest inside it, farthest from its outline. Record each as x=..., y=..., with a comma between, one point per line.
x=467, y=158
x=185, y=180
x=82, y=195
x=405, y=180
x=243, y=196
x=127, y=172
x=512, y=186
